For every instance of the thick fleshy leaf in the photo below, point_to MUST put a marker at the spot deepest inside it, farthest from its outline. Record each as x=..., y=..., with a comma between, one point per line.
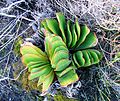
x=73, y=64
x=90, y=41
x=61, y=73
x=53, y=26
x=79, y=58
x=74, y=36
x=44, y=24
x=59, y=56
x=62, y=24
x=90, y=56
x=51, y=43
x=61, y=65
x=68, y=78
x=84, y=32
x=47, y=42
x=76, y=61
x=43, y=78
x=47, y=82
x=33, y=65
x=47, y=45
x=60, y=48
x=93, y=57
x=77, y=27
x=31, y=49
x=38, y=69
x=69, y=34
x=100, y=55
x=27, y=58
x=54, y=45
x=28, y=50
x=55, y=38
x=43, y=71
x=57, y=51
x=39, y=51
x=97, y=56
x=87, y=58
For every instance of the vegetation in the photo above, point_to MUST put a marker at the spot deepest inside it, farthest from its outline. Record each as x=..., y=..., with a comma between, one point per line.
x=55, y=61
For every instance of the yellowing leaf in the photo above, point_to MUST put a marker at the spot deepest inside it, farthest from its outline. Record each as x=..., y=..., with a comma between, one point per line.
x=62, y=24
x=68, y=78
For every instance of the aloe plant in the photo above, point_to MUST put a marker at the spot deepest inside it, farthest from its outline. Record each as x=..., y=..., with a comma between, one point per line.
x=46, y=65
x=56, y=61
x=77, y=38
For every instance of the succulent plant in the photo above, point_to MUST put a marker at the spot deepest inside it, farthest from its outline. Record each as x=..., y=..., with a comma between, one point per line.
x=46, y=65
x=57, y=61
x=78, y=39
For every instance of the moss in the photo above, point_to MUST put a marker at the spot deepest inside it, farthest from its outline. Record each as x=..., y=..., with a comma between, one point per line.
x=61, y=97
x=29, y=85
x=32, y=85
x=23, y=78
x=18, y=66
x=17, y=45
x=1, y=71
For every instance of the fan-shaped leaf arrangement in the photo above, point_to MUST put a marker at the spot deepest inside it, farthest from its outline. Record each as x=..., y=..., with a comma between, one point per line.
x=45, y=65
x=77, y=39
x=56, y=61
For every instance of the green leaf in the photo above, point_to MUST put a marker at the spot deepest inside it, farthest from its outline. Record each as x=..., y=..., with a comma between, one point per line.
x=84, y=32
x=76, y=61
x=54, y=38
x=74, y=36
x=44, y=24
x=33, y=65
x=61, y=65
x=68, y=78
x=87, y=58
x=47, y=45
x=69, y=34
x=79, y=58
x=36, y=63
x=53, y=26
x=90, y=56
x=43, y=71
x=51, y=43
x=90, y=41
x=100, y=55
x=62, y=24
x=59, y=56
x=54, y=45
x=60, y=48
x=38, y=69
x=94, y=56
x=61, y=73
x=31, y=49
x=47, y=82
x=60, y=39
x=43, y=78
x=77, y=27
x=27, y=58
